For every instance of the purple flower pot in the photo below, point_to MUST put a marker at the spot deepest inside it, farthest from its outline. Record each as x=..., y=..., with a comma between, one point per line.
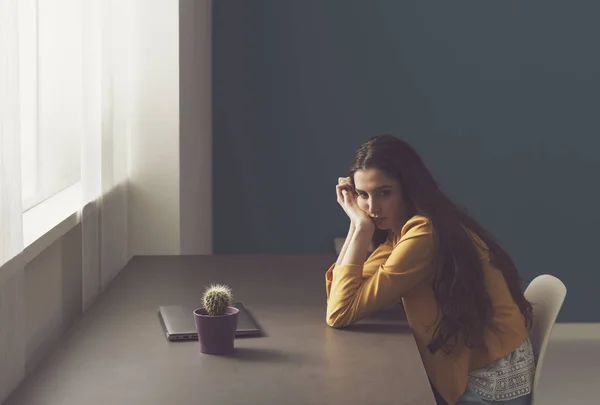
x=216, y=334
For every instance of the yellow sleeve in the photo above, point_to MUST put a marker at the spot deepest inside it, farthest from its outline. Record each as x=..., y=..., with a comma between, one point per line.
x=351, y=297
x=376, y=259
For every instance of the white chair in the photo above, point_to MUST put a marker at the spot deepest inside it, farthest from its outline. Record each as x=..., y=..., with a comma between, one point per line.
x=546, y=294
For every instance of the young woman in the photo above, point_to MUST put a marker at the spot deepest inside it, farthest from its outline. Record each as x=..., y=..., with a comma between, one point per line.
x=460, y=290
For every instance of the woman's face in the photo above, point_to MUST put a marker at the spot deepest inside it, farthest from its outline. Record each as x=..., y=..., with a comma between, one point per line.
x=380, y=196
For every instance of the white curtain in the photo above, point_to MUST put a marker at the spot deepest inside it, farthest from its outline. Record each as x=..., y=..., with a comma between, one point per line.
x=108, y=37
x=11, y=231
x=12, y=349
x=108, y=41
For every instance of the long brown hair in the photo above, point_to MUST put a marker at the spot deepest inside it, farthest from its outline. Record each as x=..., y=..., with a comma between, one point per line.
x=464, y=306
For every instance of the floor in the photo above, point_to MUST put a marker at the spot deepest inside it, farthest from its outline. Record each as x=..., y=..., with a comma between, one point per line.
x=571, y=370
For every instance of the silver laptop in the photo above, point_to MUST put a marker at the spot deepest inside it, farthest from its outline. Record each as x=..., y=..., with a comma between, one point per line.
x=178, y=322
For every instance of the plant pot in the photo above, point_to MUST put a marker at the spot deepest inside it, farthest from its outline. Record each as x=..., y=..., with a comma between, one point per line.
x=216, y=333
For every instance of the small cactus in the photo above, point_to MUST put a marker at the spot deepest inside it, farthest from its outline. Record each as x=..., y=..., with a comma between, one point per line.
x=216, y=299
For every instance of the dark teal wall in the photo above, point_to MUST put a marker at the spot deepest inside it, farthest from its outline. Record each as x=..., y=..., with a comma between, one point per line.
x=502, y=99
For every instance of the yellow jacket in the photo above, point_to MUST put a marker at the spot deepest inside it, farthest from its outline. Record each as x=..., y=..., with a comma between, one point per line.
x=401, y=268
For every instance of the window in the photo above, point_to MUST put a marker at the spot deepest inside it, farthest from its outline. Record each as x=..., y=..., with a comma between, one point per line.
x=51, y=94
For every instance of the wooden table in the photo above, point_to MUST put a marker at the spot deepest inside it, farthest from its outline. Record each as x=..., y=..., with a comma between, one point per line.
x=117, y=353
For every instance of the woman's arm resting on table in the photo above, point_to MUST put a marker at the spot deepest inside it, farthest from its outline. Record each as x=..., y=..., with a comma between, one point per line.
x=352, y=298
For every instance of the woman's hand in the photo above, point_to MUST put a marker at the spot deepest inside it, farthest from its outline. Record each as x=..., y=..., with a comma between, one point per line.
x=346, y=197
x=344, y=183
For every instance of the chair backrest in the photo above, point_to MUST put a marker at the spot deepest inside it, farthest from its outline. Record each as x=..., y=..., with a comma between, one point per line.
x=546, y=294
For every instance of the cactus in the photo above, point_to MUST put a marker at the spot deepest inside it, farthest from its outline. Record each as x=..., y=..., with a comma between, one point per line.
x=216, y=299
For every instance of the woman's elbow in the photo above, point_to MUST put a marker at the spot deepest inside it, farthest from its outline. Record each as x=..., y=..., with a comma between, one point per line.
x=337, y=321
